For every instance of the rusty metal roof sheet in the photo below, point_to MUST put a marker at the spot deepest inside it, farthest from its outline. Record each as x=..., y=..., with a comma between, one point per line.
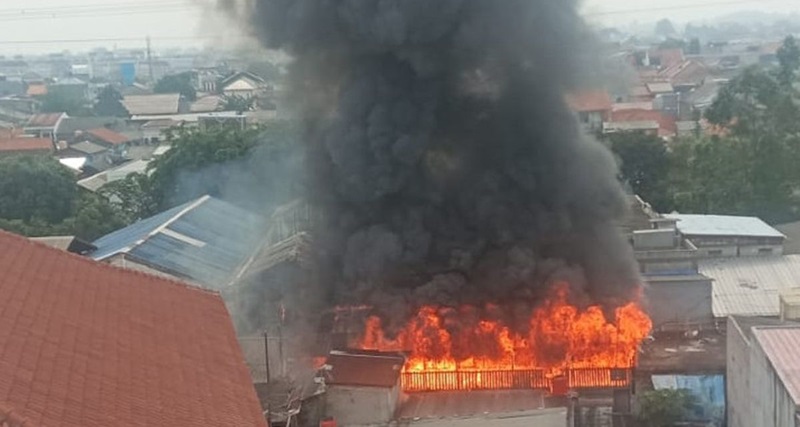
x=364, y=368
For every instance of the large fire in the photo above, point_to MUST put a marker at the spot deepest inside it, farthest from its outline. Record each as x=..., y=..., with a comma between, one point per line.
x=562, y=340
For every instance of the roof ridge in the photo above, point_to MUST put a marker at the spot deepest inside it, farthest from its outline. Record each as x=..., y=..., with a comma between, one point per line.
x=190, y=206
x=103, y=265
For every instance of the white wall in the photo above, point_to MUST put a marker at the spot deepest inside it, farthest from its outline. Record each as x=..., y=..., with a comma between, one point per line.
x=361, y=406
x=737, y=376
x=770, y=403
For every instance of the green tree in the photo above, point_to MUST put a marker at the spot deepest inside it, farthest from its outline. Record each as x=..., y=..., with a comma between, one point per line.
x=177, y=83
x=132, y=196
x=60, y=102
x=39, y=197
x=238, y=103
x=665, y=28
x=109, y=103
x=664, y=408
x=199, y=163
x=36, y=188
x=694, y=46
x=644, y=165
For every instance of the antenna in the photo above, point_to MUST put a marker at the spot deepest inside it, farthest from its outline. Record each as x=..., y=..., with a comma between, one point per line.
x=150, y=60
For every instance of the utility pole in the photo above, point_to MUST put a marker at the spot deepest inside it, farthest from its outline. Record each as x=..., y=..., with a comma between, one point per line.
x=150, y=60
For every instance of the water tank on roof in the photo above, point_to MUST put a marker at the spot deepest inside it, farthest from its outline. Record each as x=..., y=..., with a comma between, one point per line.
x=790, y=304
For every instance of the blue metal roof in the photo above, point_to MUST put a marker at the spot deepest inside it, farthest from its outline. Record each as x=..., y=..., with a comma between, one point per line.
x=205, y=240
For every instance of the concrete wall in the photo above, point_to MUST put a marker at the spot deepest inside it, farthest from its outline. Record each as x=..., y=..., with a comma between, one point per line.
x=760, y=250
x=769, y=401
x=737, y=385
x=361, y=406
x=673, y=303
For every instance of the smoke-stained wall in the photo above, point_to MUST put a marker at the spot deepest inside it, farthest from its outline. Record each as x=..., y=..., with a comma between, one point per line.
x=442, y=156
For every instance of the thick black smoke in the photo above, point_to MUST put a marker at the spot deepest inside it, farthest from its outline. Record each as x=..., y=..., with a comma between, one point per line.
x=443, y=158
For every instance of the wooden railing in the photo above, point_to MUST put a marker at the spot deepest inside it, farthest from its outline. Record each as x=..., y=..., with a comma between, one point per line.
x=513, y=379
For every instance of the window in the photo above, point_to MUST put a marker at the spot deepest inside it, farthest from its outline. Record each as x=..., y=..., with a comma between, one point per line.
x=715, y=252
x=764, y=251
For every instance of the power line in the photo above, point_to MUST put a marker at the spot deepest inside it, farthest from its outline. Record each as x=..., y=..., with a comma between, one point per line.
x=114, y=39
x=93, y=14
x=96, y=6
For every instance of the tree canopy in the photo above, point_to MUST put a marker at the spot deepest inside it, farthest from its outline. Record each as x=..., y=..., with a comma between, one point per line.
x=39, y=197
x=177, y=83
x=644, y=165
x=664, y=408
x=109, y=103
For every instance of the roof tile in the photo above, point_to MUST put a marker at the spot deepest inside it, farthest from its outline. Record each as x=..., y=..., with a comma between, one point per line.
x=86, y=344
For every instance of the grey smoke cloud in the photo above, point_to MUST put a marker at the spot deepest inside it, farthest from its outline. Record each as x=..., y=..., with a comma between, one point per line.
x=442, y=155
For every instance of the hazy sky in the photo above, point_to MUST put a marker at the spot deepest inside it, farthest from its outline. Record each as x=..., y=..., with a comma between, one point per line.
x=183, y=22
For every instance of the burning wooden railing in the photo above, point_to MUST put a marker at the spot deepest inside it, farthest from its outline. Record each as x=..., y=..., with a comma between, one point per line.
x=580, y=378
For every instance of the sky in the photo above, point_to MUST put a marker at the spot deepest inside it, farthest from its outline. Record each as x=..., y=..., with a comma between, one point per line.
x=38, y=26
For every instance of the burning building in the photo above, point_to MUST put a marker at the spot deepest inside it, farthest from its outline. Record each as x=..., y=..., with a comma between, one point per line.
x=461, y=208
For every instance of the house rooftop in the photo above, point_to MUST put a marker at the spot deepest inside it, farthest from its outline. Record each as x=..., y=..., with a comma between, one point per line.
x=632, y=125
x=205, y=240
x=590, y=100
x=781, y=345
x=94, y=182
x=751, y=286
x=21, y=145
x=660, y=87
x=723, y=225
x=108, y=136
x=88, y=147
x=44, y=120
x=88, y=344
x=157, y=104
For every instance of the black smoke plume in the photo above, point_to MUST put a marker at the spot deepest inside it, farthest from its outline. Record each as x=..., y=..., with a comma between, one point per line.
x=442, y=157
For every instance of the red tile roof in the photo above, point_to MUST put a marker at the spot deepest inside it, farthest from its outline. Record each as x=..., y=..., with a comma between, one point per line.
x=109, y=136
x=670, y=57
x=44, y=120
x=666, y=124
x=36, y=89
x=596, y=100
x=24, y=144
x=87, y=344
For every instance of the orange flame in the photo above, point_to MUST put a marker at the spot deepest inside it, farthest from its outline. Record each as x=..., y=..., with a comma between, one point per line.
x=561, y=338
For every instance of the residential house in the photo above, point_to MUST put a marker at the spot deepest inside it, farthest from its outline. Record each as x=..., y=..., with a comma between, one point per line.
x=686, y=75
x=206, y=104
x=729, y=236
x=205, y=241
x=152, y=131
x=647, y=127
x=44, y=125
x=763, y=372
x=154, y=105
x=226, y=119
x=113, y=347
x=25, y=145
x=669, y=265
x=593, y=108
x=71, y=129
x=695, y=102
x=36, y=90
x=116, y=142
x=653, y=122
x=363, y=386
x=96, y=157
x=243, y=84
x=666, y=58
x=13, y=67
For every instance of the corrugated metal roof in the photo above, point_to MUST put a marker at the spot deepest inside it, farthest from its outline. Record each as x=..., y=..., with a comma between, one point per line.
x=205, y=240
x=750, y=286
x=152, y=104
x=781, y=346
x=723, y=225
